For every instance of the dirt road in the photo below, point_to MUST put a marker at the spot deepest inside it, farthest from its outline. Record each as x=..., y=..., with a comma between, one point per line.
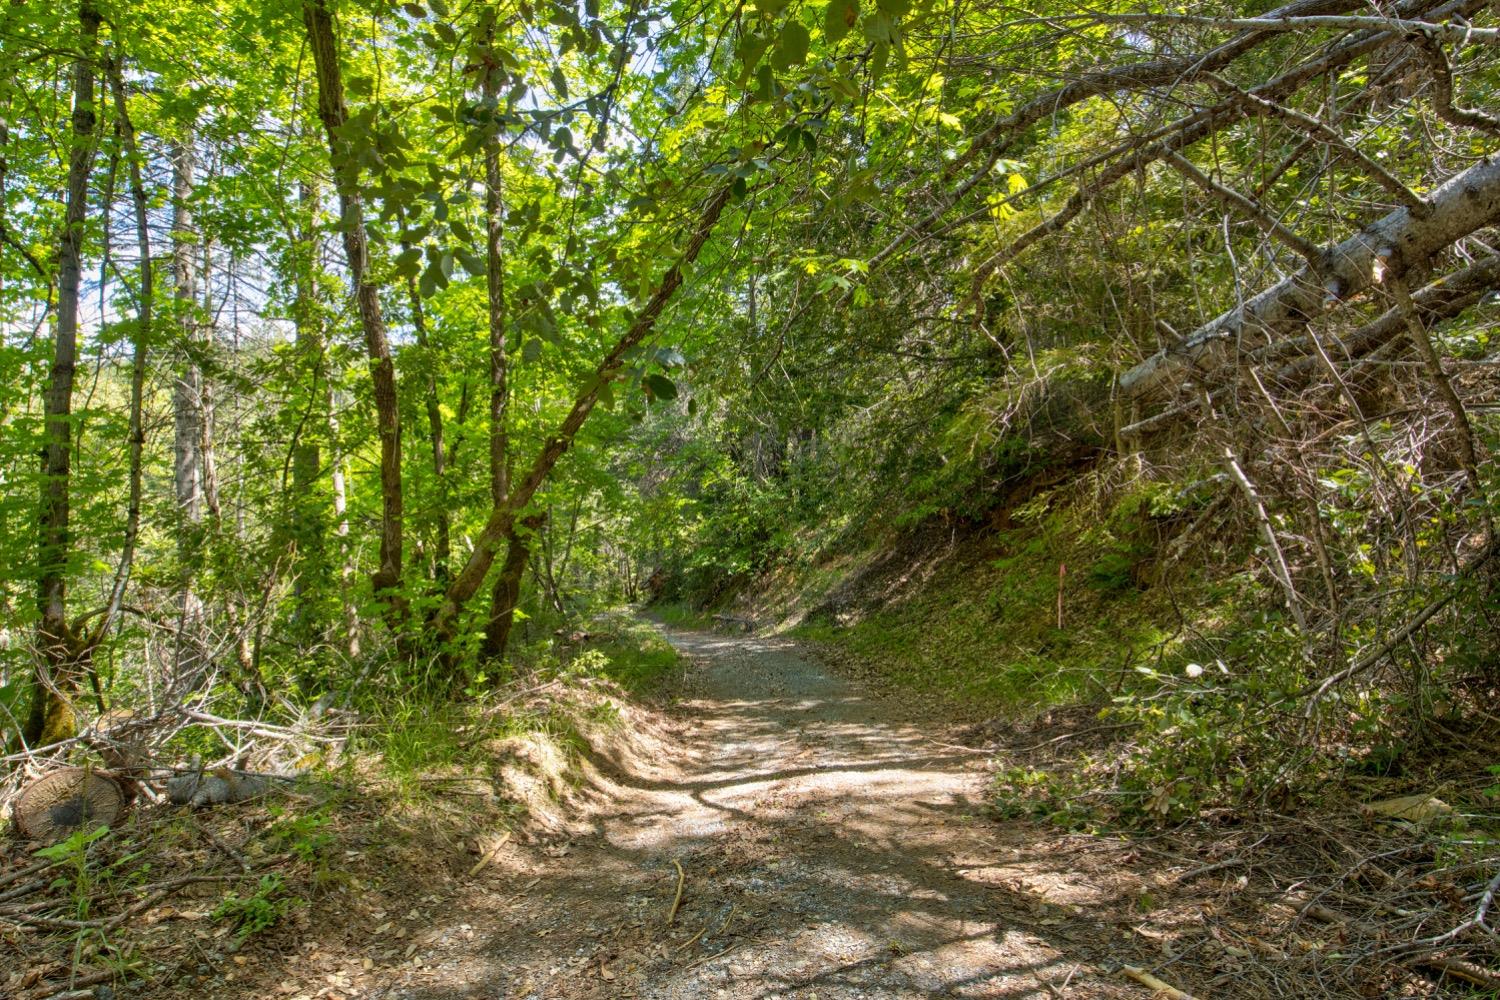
x=829, y=849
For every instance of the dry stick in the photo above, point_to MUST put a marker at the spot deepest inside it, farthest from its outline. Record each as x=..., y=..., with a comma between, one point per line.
x=1467, y=453
x=689, y=942
x=1151, y=982
x=1401, y=635
x=1283, y=571
x=721, y=954
x=677, y=899
x=1276, y=230
x=489, y=855
x=221, y=847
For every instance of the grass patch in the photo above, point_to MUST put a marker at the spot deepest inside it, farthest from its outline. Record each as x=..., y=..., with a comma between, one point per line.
x=631, y=653
x=984, y=628
x=678, y=614
x=417, y=738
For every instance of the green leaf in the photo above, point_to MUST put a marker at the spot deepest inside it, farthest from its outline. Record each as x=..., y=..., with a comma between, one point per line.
x=794, y=41
x=409, y=262
x=751, y=47
x=879, y=27
x=839, y=17
x=445, y=32
x=472, y=262
x=531, y=350
x=659, y=386
x=416, y=10
x=878, y=58
x=765, y=83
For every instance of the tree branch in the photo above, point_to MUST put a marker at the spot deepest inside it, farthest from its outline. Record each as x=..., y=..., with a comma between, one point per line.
x=1269, y=225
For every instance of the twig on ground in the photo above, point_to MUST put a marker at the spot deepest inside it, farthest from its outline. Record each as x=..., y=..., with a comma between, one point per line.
x=721, y=954
x=21, y=873
x=79, y=986
x=221, y=847
x=677, y=899
x=487, y=856
x=24, y=890
x=1466, y=971
x=1092, y=731
x=689, y=942
x=1151, y=982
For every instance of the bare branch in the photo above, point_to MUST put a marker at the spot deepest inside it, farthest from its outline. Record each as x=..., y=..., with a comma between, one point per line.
x=1442, y=93
x=1461, y=33
x=1269, y=225
x=1320, y=130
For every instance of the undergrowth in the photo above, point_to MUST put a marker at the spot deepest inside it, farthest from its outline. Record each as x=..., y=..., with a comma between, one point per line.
x=617, y=655
x=986, y=630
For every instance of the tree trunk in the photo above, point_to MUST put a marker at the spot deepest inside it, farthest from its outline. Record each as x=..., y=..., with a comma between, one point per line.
x=187, y=407
x=57, y=670
x=307, y=528
x=442, y=555
x=206, y=400
x=502, y=518
x=146, y=301
x=333, y=112
x=1396, y=243
x=506, y=595
x=507, y=587
x=346, y=553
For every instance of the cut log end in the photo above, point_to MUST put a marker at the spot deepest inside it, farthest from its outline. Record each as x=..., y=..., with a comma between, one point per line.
x=58, y=804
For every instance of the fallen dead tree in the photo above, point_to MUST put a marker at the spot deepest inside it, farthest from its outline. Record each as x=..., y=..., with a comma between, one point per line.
x=1400, y=242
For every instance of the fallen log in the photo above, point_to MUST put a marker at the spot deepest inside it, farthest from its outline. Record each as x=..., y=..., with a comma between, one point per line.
x=1388, y=248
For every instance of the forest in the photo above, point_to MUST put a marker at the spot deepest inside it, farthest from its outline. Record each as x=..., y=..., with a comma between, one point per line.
x=393, y=395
